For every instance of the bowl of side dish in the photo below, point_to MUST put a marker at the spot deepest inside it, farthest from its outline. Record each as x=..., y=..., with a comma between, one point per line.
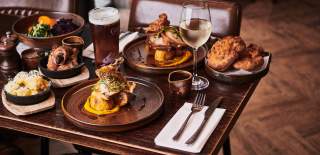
x=47, y=29
x=27, y=88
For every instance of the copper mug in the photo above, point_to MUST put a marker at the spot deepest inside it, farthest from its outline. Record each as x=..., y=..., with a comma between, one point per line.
x=74, y=42
x=31, y=58
x=180, y=83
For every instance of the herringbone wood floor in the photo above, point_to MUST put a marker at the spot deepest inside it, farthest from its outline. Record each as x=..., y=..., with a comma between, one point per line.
x=283, y=115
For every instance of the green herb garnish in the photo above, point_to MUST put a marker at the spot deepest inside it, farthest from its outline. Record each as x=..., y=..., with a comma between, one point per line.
x=40, y=30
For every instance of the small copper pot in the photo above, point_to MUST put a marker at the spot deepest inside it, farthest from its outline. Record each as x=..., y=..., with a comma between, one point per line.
x=180, y=83
x=31, y=58
x=74, y=42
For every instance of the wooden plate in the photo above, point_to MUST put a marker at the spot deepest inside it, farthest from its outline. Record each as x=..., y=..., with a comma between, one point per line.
x=136, y=56
x=238, y=79
x=146, y=106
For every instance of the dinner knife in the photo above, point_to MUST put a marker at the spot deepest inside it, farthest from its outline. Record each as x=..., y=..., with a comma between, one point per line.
x=207, y=115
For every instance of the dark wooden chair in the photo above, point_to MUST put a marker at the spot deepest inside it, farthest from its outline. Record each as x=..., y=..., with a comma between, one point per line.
x=225, y=15
x=9, y=149
x=19, y=11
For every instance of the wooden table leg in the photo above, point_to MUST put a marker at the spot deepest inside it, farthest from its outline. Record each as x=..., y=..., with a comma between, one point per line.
x=226, y=146
x=44, y=146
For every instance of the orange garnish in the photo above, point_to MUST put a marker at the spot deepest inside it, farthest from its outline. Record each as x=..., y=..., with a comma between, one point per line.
x=46, y=20
x=88, y=108
x=177, y=60
x=29, y=29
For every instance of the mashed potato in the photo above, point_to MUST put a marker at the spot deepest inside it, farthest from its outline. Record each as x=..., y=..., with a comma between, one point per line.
x=27, y=84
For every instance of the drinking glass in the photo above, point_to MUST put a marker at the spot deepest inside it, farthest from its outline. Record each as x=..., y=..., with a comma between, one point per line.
x=105, y=28
x=195, y=29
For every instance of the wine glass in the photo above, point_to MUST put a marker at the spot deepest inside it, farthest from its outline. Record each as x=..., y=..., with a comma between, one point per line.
x=195, y=29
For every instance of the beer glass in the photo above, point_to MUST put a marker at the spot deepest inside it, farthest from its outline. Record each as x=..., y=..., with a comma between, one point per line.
x=105, y=29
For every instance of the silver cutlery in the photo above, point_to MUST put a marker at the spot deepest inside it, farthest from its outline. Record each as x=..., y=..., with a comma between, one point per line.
x=207, y=115
x=197, y=106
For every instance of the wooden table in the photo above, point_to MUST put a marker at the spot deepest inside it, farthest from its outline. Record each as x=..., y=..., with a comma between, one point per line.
x=52, y=123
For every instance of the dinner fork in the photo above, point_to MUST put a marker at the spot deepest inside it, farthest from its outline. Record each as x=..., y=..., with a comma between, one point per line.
x=197, y=106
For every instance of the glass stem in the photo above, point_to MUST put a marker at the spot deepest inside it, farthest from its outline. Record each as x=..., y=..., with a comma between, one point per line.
x=195, y=64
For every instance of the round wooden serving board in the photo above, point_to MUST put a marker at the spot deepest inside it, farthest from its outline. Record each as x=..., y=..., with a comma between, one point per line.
x=137, y=57
x=145, y=107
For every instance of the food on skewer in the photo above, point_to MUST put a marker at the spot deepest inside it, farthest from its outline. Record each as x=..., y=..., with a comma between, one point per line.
x=111, y=92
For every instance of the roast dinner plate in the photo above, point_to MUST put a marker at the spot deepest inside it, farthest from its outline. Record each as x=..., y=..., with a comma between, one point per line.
x=240, y=76
x=137, y=57
x=143, y=108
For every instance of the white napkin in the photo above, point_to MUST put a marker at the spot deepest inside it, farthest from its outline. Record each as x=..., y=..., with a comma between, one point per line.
x=21, y=47
x=164, y=138
x=89, y=51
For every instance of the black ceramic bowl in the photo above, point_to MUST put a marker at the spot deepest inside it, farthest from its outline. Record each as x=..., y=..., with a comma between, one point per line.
x=29, y=100
x=64, y=74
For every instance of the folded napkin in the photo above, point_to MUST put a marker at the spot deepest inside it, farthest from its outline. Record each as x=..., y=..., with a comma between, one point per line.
x=89, y=51
x=164, y=138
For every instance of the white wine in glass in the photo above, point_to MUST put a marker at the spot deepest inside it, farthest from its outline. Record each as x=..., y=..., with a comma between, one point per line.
x=195, y=29
x=195, y=33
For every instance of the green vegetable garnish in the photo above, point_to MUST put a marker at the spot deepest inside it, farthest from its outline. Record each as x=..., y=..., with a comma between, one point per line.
x=40, y=30
x=168, y=28
x=113, y=83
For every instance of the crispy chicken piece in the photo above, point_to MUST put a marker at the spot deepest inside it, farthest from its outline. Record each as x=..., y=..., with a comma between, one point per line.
x=156, y=42
x=250, y=59
x=166, y=39
x=173, y=37
x=113, y=80
x=224, y=52
x=158, y=24
x=249, y=64
x=111, y=92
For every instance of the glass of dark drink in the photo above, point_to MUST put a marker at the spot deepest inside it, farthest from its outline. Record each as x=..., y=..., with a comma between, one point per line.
x=105, y=29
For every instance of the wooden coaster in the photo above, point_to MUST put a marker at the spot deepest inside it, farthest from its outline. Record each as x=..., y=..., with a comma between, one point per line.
x=60, y=83
x=29, y=109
